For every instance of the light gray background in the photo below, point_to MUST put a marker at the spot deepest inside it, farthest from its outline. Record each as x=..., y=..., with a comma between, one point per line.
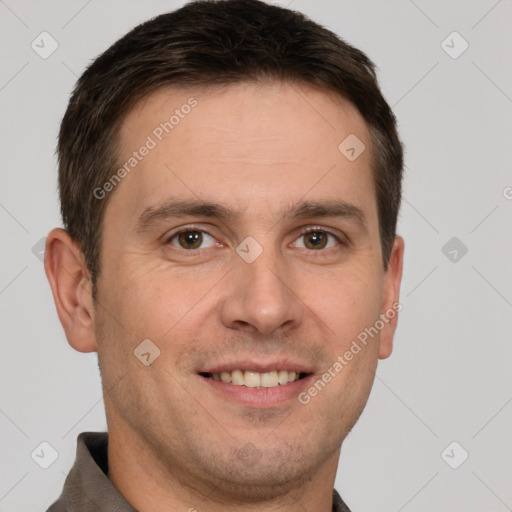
x=449, y=376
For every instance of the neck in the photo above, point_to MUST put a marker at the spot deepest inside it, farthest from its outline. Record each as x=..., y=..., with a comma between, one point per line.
x=150, y=484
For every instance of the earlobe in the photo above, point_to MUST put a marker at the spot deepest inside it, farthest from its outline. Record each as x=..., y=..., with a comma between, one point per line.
x=391, y=297
x=71, y=288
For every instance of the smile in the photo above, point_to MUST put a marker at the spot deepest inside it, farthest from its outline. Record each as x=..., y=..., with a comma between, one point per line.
x=253, y=379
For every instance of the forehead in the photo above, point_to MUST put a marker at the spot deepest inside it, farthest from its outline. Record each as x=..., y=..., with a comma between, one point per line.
x=252, y=145
x=266, y=109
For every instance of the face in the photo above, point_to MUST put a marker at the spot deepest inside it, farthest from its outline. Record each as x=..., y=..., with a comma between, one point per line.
x=244, y=243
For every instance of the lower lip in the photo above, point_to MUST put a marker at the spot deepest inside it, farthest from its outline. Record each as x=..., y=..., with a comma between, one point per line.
x=259, y=398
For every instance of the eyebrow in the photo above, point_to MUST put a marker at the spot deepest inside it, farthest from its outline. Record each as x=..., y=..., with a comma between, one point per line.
x=176, y=208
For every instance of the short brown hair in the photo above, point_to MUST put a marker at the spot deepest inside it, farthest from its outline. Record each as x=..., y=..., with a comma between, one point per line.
x=213, y=43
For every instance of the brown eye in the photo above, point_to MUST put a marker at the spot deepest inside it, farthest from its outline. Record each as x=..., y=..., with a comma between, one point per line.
x=191, y=239
x=315, y=240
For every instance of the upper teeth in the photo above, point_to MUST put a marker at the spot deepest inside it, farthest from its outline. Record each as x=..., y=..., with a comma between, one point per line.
x=255, y=379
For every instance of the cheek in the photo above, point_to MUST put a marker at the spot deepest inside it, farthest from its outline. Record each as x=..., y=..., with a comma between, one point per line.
x=348, y=300
x=153, y=301
x=353, y=306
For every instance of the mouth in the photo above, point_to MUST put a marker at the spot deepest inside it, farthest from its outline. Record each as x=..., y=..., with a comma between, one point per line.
x=257, y=384
x=256, y=380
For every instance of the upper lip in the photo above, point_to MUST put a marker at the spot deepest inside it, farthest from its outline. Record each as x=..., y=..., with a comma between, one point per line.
x=259, y=367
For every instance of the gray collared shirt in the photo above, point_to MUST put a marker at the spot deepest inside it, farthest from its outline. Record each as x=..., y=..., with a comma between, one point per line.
x=88, y=489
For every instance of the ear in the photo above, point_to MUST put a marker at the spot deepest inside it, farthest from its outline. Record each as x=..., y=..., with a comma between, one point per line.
x=69, y=278
x=391, y=295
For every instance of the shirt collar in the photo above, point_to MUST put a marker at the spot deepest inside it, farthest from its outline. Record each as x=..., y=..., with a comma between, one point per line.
x=87, y=487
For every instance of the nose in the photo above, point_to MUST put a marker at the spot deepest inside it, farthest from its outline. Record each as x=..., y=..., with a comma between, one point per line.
x=262, y=298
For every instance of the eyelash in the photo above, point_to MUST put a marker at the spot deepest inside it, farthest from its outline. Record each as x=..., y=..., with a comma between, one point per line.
x=320, y=252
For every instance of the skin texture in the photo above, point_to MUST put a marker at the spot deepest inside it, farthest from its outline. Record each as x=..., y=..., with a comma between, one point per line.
x=258, y=149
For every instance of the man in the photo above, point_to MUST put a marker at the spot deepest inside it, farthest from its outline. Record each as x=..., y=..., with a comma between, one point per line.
x=230, y=180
